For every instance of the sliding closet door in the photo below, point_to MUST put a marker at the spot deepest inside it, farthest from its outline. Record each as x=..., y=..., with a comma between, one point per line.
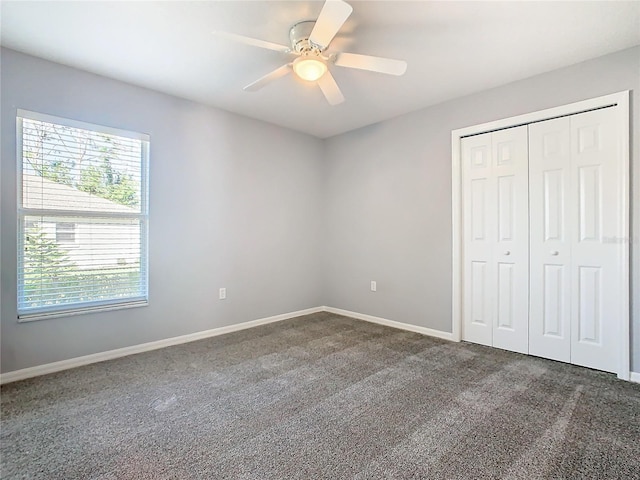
x=576, y=223
x=550, y=200
x=545, y=234
x=479, y=238
x=496, y=237
x=511, y=226
x=597, y=223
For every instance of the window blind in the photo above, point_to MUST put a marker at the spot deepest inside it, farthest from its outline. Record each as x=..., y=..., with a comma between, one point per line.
x=83, y=216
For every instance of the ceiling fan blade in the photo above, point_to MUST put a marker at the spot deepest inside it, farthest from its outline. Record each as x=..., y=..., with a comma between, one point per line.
x=332, y=16
x=373, y=64
x=330, y=89
x=269, y=77
x=253, y=41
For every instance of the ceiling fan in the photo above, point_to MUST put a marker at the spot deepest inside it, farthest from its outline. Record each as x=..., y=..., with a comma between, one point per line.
x=309, y=42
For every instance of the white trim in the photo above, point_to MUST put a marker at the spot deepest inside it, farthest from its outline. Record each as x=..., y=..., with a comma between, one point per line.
x=547, y=114
x=456, y=235
x=68, y=122
x=625, y=220
x=391, y=323
x=620, y=101
x=144, y=347
x=47, y=368
x=95, y=308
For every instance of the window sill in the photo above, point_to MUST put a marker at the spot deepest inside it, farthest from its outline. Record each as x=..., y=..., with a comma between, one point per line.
x=33, y=317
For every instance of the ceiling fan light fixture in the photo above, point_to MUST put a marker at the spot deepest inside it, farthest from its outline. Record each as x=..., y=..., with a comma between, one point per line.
x=309, y=42
x=309, y=68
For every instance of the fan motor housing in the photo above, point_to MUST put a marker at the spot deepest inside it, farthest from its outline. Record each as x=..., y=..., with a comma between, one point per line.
x=299, y=36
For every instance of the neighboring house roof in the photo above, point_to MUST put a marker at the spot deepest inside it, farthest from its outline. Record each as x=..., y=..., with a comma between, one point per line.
x=39, y=192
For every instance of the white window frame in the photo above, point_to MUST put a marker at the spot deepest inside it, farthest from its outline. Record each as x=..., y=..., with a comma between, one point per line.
x=65, y=310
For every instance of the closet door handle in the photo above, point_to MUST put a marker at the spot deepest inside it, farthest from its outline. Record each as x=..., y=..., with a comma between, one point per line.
x=555, y=253
x=507, y=252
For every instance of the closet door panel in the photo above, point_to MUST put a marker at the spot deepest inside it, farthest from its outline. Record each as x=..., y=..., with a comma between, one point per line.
x=478, y=270
x=511, y=233
x=550, y=245
x=597, y=221
x=545, y=250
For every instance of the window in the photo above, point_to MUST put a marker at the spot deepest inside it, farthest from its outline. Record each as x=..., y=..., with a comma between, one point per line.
x=65, y=232
x=83, y=216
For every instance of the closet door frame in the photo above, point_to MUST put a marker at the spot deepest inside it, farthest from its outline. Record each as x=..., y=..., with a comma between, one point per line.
x=618, y=101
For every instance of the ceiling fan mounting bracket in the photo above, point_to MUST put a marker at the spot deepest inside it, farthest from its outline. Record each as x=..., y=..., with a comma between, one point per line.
x=299, y=37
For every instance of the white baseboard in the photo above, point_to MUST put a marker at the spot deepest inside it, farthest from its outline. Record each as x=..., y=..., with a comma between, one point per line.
x=391, y=323
x=143, y=347
x=633, y=377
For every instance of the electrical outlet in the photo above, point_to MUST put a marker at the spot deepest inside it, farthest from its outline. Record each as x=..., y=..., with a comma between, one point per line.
x=374, y=286
x=223, y=293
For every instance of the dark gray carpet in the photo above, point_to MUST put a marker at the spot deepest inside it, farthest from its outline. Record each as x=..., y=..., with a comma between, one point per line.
x=322, y=396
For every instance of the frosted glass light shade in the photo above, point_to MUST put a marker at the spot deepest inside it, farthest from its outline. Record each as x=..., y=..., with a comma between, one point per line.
x=309, y=68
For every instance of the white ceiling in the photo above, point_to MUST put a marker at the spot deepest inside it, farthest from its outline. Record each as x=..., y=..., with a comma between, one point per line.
x=452, y=49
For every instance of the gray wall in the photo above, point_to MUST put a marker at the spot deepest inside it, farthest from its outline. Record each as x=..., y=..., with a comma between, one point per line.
x=233, y=204
x=388, y=194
